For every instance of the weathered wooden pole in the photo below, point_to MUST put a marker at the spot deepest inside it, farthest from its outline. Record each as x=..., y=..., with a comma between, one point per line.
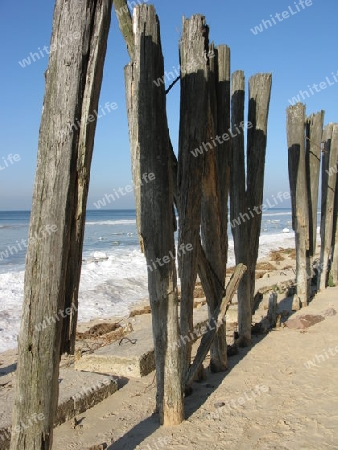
x=299, y=195
x=238, y=205
x=73, y=82
x=314, y=131
x=218, y=350
x=192, y=134
x=222, y=53
x=149, y=139
x=329, y=177
x=85, y=151
x=211, y=226
x=334, y=257
x=259, y=100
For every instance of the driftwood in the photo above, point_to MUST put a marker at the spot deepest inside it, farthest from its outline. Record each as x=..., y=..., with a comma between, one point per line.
x=73, y=82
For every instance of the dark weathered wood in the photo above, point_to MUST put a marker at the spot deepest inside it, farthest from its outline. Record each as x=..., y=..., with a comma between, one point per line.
x=214, y=323
x=218, y=350
x=259, y=100
x=147, y=119
x=192, y=133
x=211, y=226
x=85, y=150
x=334, y=257
x=299, y=195
x=329, y=177
x=125, y=24
x=73, y=83
x=314, y=131
x=222, y=53
x=239, y=216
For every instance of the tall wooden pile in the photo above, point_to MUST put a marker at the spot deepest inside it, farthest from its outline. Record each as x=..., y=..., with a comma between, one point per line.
x=53, y=264
x=304, y=169
x=198, y=186
x=246, y=192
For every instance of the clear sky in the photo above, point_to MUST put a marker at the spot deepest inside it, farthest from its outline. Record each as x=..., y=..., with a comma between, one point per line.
x=299, y=49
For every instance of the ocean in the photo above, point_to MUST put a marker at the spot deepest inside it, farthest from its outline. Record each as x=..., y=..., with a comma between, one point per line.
x=114, y=273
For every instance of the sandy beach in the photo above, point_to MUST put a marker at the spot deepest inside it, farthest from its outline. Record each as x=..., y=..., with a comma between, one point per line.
x=280, y=393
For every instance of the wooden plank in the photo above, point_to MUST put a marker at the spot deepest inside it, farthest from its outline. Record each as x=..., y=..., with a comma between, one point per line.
x=314, y=131
x=192, y=134
x=329, y=178
x=215, y=322
x=299, y=196
x=150, y=154
x=68, y=97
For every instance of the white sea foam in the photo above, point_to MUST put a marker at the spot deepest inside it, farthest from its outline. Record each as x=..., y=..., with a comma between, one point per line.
x=113, y=222
x=108, y=287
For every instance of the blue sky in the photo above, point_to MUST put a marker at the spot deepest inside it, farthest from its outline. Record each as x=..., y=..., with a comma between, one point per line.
x=299, y=50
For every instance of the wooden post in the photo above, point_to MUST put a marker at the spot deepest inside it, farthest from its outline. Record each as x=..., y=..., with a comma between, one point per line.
x=238, y=205
x=149, y=138
x=218, y=350
x=314, y=131
x=192, y=134
x=211, y=226
x=329, y=177
x=299, y=195
x=259, y=100
x=334, y=258
x=73, y=84
x=222, y=53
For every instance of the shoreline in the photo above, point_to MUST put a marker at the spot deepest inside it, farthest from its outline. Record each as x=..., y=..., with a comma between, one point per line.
x=268, y=272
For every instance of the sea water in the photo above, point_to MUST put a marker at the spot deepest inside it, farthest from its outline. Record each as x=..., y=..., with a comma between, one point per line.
x=114, y=272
